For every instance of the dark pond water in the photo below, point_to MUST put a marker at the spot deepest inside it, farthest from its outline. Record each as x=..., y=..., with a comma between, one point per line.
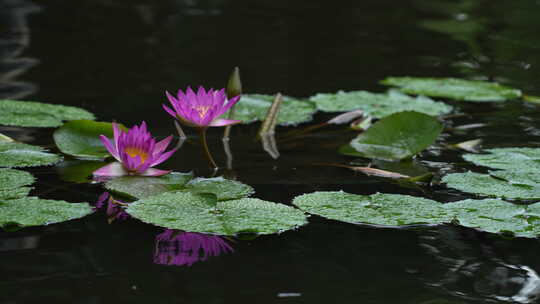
x=116, y=58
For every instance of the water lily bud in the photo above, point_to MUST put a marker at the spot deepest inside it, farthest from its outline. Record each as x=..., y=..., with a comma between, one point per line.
x=234, y=86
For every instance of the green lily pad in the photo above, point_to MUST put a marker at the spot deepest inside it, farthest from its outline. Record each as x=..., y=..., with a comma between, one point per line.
x=37, y=114
x=378, y=105
x=144, y=186
x=202, y=213
x=484, y=184
x=80, y=138
x=515, y=159
x=33, y=211
x=253, y=107
x=78, y=171
x=453, y=88
x=398, y=136
x=493, y=215
x=12, y=183
x=14, y=154
x=223, y=189
x=377, y=209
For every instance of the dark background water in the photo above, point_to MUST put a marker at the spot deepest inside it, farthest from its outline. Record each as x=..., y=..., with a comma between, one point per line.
x=116, y=58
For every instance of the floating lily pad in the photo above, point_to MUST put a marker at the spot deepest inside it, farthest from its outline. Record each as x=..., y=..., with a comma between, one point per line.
x=515, y=159
x=223, y=189
x=144, y=186
x=80, y=138
x=202, y=213
x=12, y=183
x=37, y=114
x=518, y=177
x=253, y=107
x=378, y=209
x=484, y=184
x=78, y=171
x=398, y=136
x=33, y=211
x=453, y=88
x=14, y=154
x=378, y=105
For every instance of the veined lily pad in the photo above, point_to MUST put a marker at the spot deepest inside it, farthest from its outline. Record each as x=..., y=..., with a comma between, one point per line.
x=378, y=105
x=37, y=114
x=144, y=186
x=13, y=154
x=202, y=213
x=253, y=107
x=453, y=88
x=33, y=211
x=378, y=209
x=80, y=138
x=515, y=159
x=398, y=136
x=484, y=184
x=12, y=183
x=223, y=189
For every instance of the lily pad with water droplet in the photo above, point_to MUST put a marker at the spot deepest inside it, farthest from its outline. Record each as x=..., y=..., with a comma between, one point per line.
x=515, y=159
x=378, y=105
x=486, y=185
x=377, y=209
x=33, y=211
x=398, y=136
x=13, y=154
x=12, y=183
x=144, y=186
x=454, y=88
x=253, y=107
x=37, y=114
x=203, y=213
x=80, y=138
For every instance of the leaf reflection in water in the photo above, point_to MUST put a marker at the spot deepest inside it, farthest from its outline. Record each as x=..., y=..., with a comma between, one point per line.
x=179, y=248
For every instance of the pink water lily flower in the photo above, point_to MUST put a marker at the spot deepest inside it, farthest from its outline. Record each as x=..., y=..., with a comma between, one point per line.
x=136, y=151
x=201, y=109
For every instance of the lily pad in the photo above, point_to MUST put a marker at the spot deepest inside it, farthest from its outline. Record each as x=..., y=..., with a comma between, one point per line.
x=223, y=189
x=378, y=105
x=80, y=138
x=12, y=183
x=493, y=215
x=37, y=114
x=398, y=136
x=14, y=154
x=143, y=186
x=33, y=211
x=202, y=213
x=78, y=171
x=516, y=159
x=486, y=185
x=377, y=209
x=454, y=88
x=253, y=107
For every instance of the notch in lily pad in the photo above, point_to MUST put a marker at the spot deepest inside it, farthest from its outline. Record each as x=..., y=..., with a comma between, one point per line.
x=80, y=138
x=203, y=213
x=37, y=114
x=454, y=88
x=13, y=183
x=398, y=136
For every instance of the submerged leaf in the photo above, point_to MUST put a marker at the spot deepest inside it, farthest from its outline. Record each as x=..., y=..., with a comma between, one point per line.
x=454, y=88
x=378, y=105
x=378, y=209
x=33, y=211
x=37, y=114
x=13, y=154
x=253, y=107
x=398, y=136
x=80, y=138
x=200, y=213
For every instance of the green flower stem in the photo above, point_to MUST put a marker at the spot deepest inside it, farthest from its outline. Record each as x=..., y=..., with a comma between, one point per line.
x=202, y=132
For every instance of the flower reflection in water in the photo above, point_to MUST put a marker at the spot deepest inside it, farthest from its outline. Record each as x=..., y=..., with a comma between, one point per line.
x=115, y=208
x=176, y=247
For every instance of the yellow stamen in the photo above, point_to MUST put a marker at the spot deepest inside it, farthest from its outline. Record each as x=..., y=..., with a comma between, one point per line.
x=137, y=152
x=202, y=110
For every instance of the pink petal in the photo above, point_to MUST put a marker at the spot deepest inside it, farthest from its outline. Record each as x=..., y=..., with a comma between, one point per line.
x=171, y=112
x=155, y=172
x=108, y=145
x=117, y=133
x=163, y=157
x=162, y=145
x=220, y=122
x=112, y=169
